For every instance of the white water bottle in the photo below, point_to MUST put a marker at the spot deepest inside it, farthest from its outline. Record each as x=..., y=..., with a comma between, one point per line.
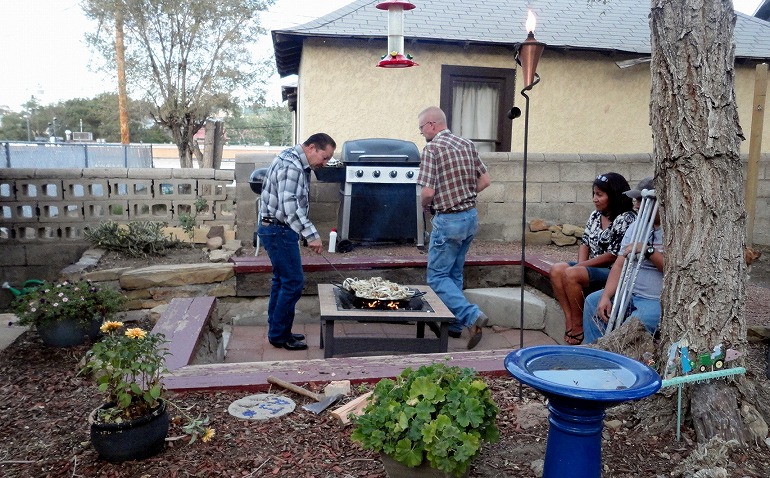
x=333, y=241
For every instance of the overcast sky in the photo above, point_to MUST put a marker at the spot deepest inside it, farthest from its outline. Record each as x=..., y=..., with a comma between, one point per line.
x=43, y=51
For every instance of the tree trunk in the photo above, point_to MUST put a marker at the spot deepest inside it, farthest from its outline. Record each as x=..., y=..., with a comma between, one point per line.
x=120, y=59
x=699, y=180
x=213, y=145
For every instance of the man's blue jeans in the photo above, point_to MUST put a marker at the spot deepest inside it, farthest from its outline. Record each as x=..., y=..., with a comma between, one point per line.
x=646, y=310
x=450, y=239
x=282, y=246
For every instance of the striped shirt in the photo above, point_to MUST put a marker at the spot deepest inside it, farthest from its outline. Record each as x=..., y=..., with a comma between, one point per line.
x=285, y=192
x=451, y=166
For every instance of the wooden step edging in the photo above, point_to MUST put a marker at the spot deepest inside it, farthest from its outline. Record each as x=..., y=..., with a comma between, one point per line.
x=183, y=323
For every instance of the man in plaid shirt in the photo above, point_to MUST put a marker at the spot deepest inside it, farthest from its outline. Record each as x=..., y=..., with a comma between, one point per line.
x=284, y=211
x=451, y=175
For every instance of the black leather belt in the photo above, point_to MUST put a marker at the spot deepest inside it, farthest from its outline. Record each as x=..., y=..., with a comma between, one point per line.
x=455, y=212
x=271, y=221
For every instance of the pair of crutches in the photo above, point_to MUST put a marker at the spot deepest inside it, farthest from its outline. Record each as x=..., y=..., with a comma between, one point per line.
x=645, y=220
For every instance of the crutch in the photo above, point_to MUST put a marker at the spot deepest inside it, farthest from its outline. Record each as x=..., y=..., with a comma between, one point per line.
x=633, y=262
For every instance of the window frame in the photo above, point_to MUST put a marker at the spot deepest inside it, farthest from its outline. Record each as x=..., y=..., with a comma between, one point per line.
x=504, y=78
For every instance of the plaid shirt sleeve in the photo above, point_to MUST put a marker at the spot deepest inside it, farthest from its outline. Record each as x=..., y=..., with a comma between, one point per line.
x=285, y=194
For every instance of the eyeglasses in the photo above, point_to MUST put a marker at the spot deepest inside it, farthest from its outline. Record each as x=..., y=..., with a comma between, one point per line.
x=602, y=178
x=423, y=125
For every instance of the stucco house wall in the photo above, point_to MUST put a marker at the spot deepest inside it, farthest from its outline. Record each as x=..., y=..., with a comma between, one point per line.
x=583, y=104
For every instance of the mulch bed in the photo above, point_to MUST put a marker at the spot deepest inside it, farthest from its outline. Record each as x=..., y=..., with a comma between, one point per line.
x=45, y=404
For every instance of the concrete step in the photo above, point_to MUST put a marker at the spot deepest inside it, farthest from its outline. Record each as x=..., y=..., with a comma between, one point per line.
x=503, y=306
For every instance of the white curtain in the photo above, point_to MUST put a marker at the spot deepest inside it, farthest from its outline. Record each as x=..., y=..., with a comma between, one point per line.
x=475, y=112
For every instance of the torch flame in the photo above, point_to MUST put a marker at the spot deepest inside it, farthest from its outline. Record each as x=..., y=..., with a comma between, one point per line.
x=531, y=22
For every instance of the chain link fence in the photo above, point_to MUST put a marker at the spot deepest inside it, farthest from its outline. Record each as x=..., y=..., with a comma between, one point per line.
x=74, y=155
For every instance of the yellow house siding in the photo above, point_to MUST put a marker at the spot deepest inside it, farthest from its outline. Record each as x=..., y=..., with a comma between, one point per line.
x=584, y=103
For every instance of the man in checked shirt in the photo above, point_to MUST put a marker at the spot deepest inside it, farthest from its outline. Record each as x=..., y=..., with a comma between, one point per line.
x=284, y=211
x=451, y=175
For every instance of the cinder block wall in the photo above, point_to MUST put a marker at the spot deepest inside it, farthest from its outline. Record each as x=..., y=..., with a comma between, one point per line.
x=558, y=190
x=43, y=212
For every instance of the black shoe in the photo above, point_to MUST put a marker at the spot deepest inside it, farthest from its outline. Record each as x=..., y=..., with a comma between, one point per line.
x=476, y=330
x=298, y=336
x=455, y=334
x=292, y=344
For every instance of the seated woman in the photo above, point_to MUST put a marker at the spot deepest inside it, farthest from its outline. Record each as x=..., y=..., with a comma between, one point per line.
x=644, y=302
x=601, y=243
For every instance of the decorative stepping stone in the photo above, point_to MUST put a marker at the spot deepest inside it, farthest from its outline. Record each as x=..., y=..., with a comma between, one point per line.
x=262, y=406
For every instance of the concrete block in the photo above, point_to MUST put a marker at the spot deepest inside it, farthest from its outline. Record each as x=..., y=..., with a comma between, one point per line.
x=60, y=211
x=192, y=173
x=225, y=175
x=152, y=210
x=130, y=188
x=97, y=211
x=20, y=173
x=224, y=210
x=182, y=206
x=212, y=190
x=175, y=189
x=13, y=255
x=19, y=212
x=73, y=231
x=7, y=190
x=86, y=189
x=503, y=306
x=58, y=173
x=105, y=173
x=39, y=190
x=150, y=173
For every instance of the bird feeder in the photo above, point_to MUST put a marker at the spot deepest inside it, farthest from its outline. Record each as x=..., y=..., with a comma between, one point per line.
x=396, y=58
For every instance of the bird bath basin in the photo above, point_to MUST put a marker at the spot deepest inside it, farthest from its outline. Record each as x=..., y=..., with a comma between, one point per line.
x=580, y=384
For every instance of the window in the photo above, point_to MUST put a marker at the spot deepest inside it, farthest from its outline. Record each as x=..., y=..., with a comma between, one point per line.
x=476, y=101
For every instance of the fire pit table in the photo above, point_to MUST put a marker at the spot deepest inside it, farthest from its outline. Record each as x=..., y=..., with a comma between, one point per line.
x=421, y=310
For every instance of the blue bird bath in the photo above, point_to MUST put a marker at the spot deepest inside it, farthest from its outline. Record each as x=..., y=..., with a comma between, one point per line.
x=580, y=384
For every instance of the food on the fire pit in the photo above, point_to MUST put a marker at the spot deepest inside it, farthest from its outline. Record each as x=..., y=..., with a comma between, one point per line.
x=377, y=288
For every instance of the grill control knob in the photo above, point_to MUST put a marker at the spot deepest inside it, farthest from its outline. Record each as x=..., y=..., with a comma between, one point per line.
x=410, y=174
x=376, y=173
x=393, y=174
x=360, y=173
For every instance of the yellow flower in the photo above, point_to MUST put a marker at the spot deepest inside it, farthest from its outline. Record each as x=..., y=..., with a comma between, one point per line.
x=208, y=435
x=110, y=325
x=135, y=333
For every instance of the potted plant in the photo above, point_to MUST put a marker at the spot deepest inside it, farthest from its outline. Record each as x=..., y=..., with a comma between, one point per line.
x=65, y=313
x=437, y=414
x=132, y=424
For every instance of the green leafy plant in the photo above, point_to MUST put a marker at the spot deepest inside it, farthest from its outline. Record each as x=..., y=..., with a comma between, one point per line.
x=128, y=365
x=189, y=221
x=437, y=413
x=136, y=239
x=81, y=301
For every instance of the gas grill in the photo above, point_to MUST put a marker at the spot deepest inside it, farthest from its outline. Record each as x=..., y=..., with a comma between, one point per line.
x=379, y=195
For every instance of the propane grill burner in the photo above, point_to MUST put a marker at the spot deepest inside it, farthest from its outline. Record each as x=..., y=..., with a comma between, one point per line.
x=380, y=198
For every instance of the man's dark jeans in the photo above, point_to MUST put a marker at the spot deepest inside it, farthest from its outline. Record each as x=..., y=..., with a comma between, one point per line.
x=282, y=246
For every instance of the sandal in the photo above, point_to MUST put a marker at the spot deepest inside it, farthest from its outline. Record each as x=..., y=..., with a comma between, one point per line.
x=575, y=339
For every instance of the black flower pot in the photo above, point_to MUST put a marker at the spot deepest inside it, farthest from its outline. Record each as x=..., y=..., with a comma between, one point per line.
x=68, y=332
x=133, y=440
x=395, y=469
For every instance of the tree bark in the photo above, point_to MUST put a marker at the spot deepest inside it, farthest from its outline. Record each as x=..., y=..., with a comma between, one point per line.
x=120, y=60
x=699, y=181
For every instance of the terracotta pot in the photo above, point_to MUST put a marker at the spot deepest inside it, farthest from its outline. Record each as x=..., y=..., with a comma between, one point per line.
x=68, y=332
x=395, y=469
x=133, y=440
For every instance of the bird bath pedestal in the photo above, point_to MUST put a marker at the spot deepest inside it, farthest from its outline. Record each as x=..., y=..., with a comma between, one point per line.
x=580, y=384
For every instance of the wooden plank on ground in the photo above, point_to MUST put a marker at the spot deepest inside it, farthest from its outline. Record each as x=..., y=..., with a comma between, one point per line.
x=183, y=323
